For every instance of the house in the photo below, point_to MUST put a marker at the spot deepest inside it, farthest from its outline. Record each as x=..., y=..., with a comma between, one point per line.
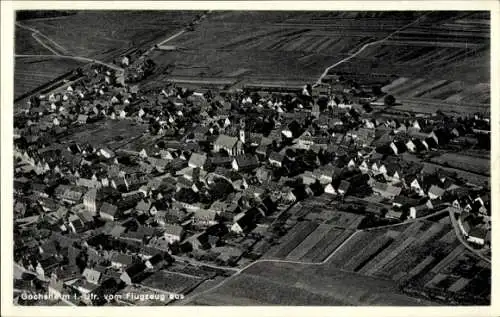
x=157, y=261
x=232, y=145
x=108, y=212
x=329, y=189
x=403, y=201
x=72, y=196
x=220, y=161
x=477, y=235
x=204, y=218
x=246, y=222
x=343, y=187
x=107, y=153
x=76, y=224
x=133, y=273
x=197, y=160
x=120, y=260
x=435, y=192
x=415, y=186
x=305, y=140
x=173, y=233
x=45, y=266
x=92, y=276
x=276, y=159
x=308, y=178
x=135, y=180
x=160, y=164
x=143, y=206
x=245, y=163
x=386, y=190
x=420, y=210
x=82, y=119
x=262, y=174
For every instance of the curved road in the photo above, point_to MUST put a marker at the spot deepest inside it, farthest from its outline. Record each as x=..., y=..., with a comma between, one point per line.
x=461, y=238
x=318, y=82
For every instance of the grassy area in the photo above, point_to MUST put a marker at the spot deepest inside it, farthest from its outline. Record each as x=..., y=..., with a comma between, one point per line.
x=113, y=134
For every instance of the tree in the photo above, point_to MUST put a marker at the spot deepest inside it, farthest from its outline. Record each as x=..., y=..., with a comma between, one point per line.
x=389, y=100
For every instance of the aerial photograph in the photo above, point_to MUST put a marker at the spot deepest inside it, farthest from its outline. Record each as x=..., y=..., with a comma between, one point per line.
x=251, y=158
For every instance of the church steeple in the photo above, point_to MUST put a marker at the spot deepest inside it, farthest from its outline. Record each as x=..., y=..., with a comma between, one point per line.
x=242, y=130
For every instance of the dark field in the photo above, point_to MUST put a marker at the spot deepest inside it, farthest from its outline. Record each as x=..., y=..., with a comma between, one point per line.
x=104, y=34
x=274, y=46
x=298, y=284
x=26, y=44
x=440, y=62
x=32, y=72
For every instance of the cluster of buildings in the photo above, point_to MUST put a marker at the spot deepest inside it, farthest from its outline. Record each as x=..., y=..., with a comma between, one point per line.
x=209, y=176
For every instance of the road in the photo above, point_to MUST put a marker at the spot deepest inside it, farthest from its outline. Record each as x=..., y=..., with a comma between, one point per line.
x=37, y=35
x=239, y=271
x=460, y=237
x=327, y=70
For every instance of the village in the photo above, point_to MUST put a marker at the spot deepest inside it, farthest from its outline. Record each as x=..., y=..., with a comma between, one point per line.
x=121, y=190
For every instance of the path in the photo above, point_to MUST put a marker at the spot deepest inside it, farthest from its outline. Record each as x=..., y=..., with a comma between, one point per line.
x=327, y=70
x=37, y=35
x=238, y=272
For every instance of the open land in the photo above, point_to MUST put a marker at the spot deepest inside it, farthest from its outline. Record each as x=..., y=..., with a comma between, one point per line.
x=269, y=46
x=107, y=34
x=33, y=72
x=435, y=62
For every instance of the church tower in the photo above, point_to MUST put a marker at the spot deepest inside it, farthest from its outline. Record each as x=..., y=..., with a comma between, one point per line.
x=242, y=131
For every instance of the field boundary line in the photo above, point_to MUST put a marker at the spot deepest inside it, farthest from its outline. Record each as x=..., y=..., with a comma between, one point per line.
x=327, y=70
x=274, y=261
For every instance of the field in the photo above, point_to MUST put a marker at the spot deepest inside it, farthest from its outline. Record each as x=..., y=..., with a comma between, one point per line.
x=171, y=282
x=442, y=62
x=470, y=177
x=313, y=240
x=299, y=284
x=380, y=266
x=416, y=256
x=273, y=46
x=113, y=134
x=26, y=44
x=106, y=34
x=32, y=72
x=464, y=162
